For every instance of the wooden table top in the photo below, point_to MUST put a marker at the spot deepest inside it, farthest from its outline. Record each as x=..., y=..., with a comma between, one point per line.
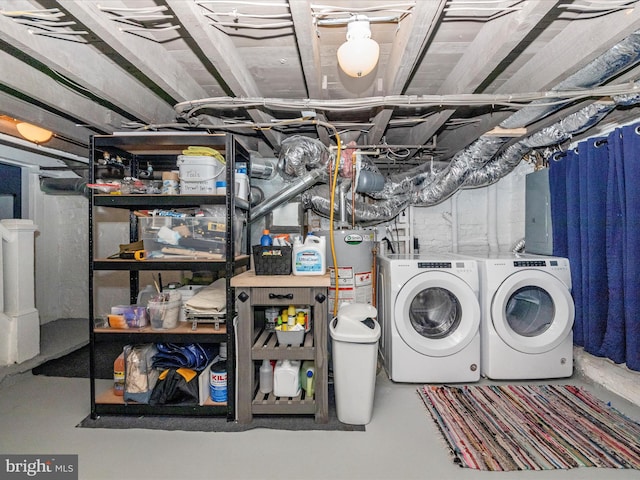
x=250, y=279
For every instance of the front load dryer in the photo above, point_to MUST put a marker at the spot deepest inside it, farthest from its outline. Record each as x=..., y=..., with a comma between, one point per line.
x=429, y=310
x=527, y=316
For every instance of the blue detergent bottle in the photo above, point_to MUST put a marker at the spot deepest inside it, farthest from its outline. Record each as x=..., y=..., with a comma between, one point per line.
x=265, y=239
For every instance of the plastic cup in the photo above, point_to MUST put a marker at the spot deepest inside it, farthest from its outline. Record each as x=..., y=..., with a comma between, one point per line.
x=164, y=310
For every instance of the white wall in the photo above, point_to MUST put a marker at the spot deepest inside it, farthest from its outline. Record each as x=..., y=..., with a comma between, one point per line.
x=61, y=244
x=470, y=219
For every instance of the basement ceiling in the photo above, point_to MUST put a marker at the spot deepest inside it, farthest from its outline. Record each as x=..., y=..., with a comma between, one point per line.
x=450, y=71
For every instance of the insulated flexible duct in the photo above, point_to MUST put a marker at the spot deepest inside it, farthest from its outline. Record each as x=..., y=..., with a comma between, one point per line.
x=365, y=214
x=481, y=163
x=300, y=155
x=618, y=58
x=552, y=135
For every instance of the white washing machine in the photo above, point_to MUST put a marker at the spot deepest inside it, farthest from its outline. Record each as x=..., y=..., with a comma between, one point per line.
x=429, y=311
x=527, y=316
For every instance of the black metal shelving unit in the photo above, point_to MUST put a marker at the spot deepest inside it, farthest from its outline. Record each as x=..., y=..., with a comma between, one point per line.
x=160, y=150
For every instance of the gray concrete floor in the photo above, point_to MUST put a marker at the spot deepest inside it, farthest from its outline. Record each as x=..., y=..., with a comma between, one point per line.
x=57, y=338
x=38, y=415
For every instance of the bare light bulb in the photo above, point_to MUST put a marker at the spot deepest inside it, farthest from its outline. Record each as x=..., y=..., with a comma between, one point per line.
x=358, y=56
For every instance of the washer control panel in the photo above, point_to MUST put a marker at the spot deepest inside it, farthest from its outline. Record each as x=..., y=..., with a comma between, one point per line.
x=434, y=265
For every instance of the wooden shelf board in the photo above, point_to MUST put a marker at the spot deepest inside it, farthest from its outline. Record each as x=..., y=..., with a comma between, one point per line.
x=182, y=328
x=109, y=398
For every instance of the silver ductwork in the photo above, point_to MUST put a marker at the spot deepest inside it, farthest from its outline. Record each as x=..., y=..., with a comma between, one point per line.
x=284, y=195
x=615, y=60
x=318, y=199
x=480, y=164
x=300, y=155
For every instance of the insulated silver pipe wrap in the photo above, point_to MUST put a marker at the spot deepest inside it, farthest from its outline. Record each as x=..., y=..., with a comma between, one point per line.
x=299, y=155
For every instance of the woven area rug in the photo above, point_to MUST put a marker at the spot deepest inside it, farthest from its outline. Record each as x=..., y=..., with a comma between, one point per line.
x=532, y=427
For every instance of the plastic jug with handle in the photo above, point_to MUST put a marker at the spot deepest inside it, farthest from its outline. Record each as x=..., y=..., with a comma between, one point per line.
x=309, y=257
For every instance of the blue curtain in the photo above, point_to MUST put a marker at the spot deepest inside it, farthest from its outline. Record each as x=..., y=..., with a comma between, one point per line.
x=595, y=212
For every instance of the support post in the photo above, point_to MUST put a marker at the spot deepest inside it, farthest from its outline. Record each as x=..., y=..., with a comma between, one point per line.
x=19, y=319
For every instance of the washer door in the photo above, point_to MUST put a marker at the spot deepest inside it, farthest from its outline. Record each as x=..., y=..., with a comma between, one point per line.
x=532, y=311
x=437, y=313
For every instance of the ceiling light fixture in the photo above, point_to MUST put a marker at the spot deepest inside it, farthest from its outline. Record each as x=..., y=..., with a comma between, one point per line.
x=358, y=56
x=33, y=133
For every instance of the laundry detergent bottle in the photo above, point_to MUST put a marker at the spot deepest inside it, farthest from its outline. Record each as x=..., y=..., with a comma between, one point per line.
x=309, y=257
x=308, y=377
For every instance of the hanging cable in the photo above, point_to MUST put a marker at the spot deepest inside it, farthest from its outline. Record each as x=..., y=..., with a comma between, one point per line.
x=331, y=220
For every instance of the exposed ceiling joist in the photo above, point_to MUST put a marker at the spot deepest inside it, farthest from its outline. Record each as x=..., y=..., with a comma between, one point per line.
x=222, y=53
x=94, y=73
x=414, y=32
x=309, y=48
x=492, y=44
x=66, y=129
x=571, y=49
x=149, y=57
x=20, y=77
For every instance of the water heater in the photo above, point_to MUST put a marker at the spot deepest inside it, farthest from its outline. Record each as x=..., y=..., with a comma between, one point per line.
x=354, y=257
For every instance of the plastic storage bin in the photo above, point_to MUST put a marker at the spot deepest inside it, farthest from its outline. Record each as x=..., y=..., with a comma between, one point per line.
x=290, y=337
x=271, y=260
x=135, y=316
x=355, y=334
x=184, y=234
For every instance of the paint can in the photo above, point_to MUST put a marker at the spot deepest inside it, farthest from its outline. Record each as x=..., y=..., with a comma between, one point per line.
x=218, y=382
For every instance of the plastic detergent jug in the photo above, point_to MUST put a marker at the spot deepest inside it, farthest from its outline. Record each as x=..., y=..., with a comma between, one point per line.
x=309, y=257
x=286, y=381
x=265, y=239
x=308, y=377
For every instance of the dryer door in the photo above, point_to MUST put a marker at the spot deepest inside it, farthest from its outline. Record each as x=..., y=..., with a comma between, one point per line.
x=437, y=313
x=532, y=311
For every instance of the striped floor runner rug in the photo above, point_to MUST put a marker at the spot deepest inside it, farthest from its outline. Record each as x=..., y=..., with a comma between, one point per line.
x=532, y=427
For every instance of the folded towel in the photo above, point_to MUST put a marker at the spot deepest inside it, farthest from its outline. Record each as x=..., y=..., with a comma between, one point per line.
x=210, y=299
x=204, y=151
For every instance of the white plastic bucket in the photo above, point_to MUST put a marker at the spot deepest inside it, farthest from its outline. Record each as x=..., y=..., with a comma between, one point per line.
x=198, y=174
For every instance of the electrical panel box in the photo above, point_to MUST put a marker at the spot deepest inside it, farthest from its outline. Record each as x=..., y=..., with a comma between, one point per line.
x=538, y=230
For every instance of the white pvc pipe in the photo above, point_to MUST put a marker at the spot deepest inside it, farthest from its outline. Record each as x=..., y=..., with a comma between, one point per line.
x=492, y=218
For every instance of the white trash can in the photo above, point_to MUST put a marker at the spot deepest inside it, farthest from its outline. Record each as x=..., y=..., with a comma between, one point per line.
x=355, y=334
